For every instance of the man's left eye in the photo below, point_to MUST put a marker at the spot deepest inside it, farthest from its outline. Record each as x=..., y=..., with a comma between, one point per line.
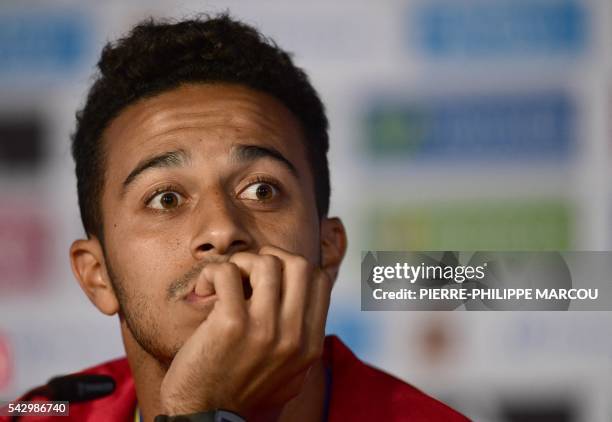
x=260, y=191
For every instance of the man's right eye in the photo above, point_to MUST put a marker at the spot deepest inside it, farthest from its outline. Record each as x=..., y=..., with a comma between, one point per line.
x=167, y=200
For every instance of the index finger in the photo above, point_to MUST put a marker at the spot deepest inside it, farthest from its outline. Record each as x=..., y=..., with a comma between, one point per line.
x=227, y=280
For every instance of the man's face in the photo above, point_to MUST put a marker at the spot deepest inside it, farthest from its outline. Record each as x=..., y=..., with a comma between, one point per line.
x=194, y=175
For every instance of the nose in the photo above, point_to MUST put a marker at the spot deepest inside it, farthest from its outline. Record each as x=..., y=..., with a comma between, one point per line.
x=218, y=229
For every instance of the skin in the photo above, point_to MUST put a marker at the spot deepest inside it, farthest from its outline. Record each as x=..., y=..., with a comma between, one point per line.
x=186, y=240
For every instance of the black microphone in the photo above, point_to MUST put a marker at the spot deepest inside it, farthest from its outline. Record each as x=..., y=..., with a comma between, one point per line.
x=74, y=388
x=80, y=387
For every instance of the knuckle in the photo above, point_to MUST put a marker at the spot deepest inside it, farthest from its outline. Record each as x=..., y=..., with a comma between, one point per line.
x=210, y=268
x=236, y=257
x=267, y=250
x=228, y=267
x=239, y=254
x=264, y=335
x=302, y=264
x=240, y=257
x=225, y=269
x=234, y=326
x=270, y=261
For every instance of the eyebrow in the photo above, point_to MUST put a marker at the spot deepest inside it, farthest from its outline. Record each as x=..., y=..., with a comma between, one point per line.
x=246, y=153
x=176, y=158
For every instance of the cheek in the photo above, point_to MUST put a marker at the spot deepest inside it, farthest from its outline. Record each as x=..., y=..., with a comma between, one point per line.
x=146, y=260
x=148, y=238
x=296, y=232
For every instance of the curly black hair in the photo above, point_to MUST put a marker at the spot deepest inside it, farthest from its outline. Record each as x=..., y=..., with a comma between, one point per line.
x=158, y=56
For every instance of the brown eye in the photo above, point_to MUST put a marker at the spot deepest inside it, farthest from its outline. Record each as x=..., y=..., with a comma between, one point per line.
x=264, y=192
x=169, y=200
x=260, y=191
x=166, y=201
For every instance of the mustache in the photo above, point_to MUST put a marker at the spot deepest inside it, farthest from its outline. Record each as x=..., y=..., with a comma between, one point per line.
x=178, y=286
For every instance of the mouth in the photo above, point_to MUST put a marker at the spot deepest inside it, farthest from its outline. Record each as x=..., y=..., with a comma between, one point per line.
x=205, y=295
x=202, y=291
x=201, y=297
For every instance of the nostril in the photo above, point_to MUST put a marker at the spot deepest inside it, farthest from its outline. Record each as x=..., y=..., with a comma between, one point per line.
x=238, y=245
x=221, y=248
x=205, y=247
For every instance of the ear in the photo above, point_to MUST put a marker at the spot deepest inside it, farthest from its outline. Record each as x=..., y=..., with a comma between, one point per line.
x=89, y=268
x=333, y=245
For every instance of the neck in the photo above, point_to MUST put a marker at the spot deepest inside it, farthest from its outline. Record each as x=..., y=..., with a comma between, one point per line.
x=148, y=374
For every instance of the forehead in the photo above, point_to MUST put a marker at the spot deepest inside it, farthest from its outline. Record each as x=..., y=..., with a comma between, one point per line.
x=191, y=114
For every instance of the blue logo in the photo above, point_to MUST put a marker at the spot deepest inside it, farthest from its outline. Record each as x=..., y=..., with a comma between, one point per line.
x=529, y=126
x=36, y=42
x=499, y=28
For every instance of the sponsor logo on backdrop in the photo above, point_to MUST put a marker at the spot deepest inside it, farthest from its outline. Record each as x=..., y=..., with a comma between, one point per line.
x=25, y=245
x=482, y=224
x=39, y=41
x=489, y=29
x=489, y=127
x=21, y=141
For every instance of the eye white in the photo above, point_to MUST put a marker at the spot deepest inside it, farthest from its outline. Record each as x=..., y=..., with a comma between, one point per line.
x=166, y=201
x=256, y=190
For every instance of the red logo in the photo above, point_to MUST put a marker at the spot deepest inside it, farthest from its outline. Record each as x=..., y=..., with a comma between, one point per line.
x=24, y=248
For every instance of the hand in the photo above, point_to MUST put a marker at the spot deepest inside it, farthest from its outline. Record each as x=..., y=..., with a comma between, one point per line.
x=252, y=354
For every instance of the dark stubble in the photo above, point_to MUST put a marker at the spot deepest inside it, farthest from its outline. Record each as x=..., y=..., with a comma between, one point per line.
x=141, y=318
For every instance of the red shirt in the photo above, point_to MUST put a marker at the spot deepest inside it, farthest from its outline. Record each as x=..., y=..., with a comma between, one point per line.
x=358, y=393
